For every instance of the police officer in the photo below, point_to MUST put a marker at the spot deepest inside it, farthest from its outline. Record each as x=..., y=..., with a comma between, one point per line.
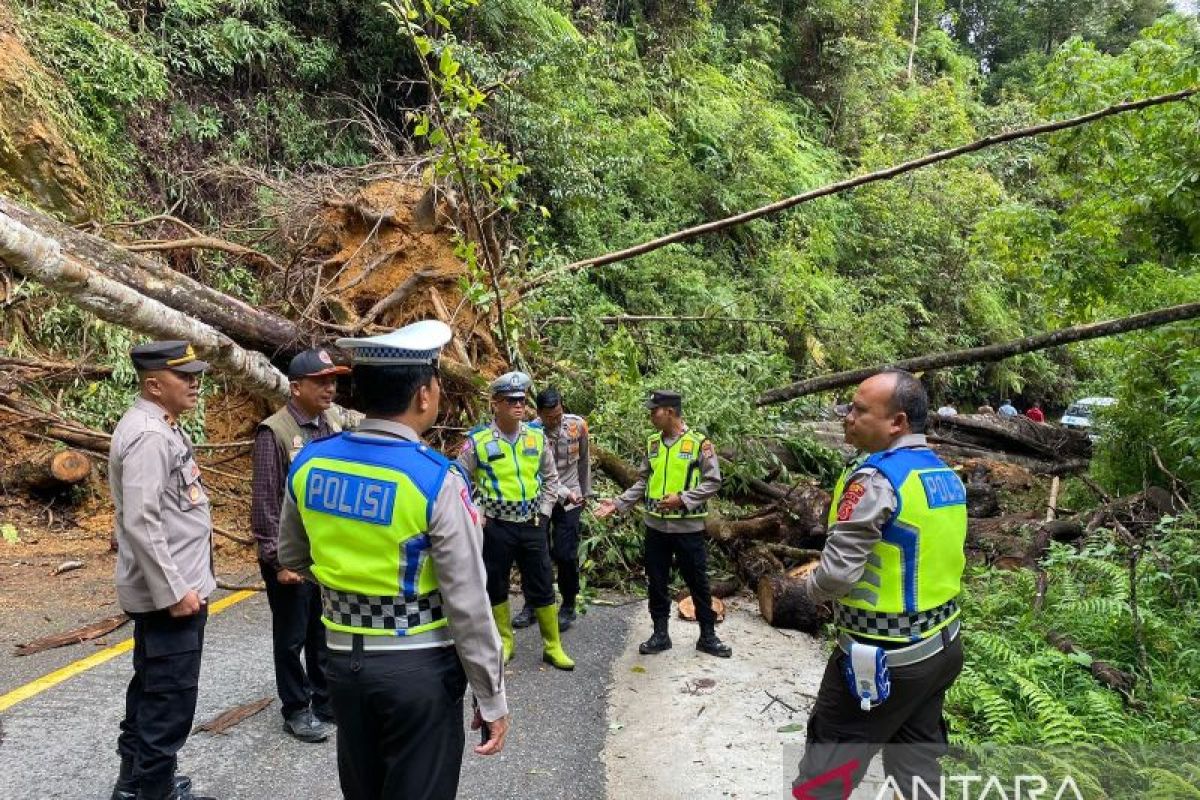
x=164, y=568
x=517, y=485
x=567, y=438
x=295, y=603
x=386, y=527
x=893, y=565
x=678, y=475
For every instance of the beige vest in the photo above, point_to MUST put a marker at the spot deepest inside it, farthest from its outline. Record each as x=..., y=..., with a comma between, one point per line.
x=290, y=436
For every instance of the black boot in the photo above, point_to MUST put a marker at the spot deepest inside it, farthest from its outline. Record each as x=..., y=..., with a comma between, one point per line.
x=658, y=641
x=180, y=788
x=566, y=616
x=709, y=643
x=126, y=788
x=525, y=618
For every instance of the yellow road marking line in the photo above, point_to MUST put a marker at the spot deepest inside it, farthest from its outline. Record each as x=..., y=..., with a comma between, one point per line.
x=39, y=685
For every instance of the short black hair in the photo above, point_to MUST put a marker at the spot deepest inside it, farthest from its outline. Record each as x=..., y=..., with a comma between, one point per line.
x=549, y=397
x=910, y=397
x=386, y=390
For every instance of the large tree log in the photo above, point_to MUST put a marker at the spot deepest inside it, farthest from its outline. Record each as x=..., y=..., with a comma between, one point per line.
x=43, y=259
x=243, y=323
x=988, y=353
x=1014, y=435
x=783, y=603
x=851, y=183
x=54, y=472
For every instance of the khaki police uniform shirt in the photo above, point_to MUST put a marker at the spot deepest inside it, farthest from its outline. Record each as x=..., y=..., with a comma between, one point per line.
x=456, y=547
x=469, y=461
x=569, y=442
x=710, y=484
x=162, y=514
x=867, y=505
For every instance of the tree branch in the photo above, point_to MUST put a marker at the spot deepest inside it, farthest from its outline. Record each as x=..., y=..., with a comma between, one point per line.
x=852, y=183
x=993, y=352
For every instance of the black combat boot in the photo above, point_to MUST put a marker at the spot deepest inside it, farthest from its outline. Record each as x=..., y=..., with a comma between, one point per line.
x=180, y=788
x=709, y=643
x=525, y=618
x=658, y=641
x=126, y=788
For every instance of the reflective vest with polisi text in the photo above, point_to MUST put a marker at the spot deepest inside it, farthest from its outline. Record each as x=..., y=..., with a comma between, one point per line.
x=508, y=478
x=366, y=503
x=673, y=470
x=914, y=573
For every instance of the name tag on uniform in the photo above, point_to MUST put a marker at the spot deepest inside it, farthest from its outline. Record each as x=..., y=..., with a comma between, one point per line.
x=351, y=496
x=494, y=453
x=943, y=488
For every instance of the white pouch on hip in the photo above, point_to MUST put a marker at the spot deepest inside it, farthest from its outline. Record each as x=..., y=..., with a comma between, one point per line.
x=865, y=669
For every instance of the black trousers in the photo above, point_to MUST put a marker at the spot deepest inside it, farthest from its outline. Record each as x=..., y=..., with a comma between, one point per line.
x=564, y=552
x=160, y=701
x=400, y=722
x=295, y=627
x=525, y=543
x=908, y=727
x=687, y=551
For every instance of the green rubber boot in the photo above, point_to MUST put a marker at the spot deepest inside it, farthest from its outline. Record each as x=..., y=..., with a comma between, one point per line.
x=503, y=615
x=552, y=652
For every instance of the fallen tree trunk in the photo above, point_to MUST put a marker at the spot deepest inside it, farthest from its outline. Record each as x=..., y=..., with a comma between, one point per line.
x=243, y=323
x=988, y=353
x=1018, y=436
x=55, y=472
x=43, y=260
x=784, y=603
x=851, y=183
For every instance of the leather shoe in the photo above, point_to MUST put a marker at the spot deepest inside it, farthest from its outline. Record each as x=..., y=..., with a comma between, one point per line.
x=566, y=617
x=304, y=726
x=709, y=643
x=525, y=618
x=123, y=792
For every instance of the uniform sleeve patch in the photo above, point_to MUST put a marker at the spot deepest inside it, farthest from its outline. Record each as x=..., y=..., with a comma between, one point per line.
x=465, y=495
x=850, y=498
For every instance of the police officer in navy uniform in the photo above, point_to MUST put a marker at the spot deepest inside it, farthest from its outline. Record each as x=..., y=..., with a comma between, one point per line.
x=516, y=481
x=892, y=565
x=386, y=527
x=164, y=569
x=678, y=476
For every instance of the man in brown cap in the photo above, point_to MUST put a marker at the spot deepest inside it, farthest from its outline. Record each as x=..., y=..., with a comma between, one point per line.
x=164, y=568
x=295, y=603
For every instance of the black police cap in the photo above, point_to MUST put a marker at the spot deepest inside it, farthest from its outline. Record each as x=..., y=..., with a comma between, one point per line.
x=664, y=398
x=177, y=356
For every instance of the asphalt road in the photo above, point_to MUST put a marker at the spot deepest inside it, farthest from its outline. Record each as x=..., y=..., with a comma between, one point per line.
x=61, y=743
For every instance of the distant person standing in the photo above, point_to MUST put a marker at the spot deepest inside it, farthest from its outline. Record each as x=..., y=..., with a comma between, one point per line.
x=985, y=409
x=947, y=410
x=1035, y=413
x=1007, y=409
x=164, y=568
x=295, y=602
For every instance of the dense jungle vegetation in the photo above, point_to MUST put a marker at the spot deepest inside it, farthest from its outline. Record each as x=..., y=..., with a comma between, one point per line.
x=596, y=124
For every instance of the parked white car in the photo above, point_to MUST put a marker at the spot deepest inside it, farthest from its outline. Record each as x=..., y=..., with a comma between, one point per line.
x=1079, y=415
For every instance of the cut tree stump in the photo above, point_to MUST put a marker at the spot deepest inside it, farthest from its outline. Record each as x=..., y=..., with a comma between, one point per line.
x=783, y=603
x=687, y=609
x=53, y=473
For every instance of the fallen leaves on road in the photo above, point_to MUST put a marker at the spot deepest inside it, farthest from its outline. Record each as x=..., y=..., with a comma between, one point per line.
x=227, y=719
x=92, y=631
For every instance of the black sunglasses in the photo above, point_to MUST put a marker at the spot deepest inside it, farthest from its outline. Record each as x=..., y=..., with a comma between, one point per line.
x=516, y=401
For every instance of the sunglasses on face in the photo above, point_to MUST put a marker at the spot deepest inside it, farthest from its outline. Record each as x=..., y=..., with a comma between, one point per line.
x=515, y=401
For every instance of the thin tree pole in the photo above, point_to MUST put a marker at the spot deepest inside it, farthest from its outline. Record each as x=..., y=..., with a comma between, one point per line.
x=912, y=46
x=993, y=352
x=852, y=183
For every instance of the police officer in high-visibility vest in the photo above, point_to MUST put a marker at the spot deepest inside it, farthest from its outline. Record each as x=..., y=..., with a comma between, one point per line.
x=386, y=527
x=516, y=483
x=893, y=566
x=678, y=476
